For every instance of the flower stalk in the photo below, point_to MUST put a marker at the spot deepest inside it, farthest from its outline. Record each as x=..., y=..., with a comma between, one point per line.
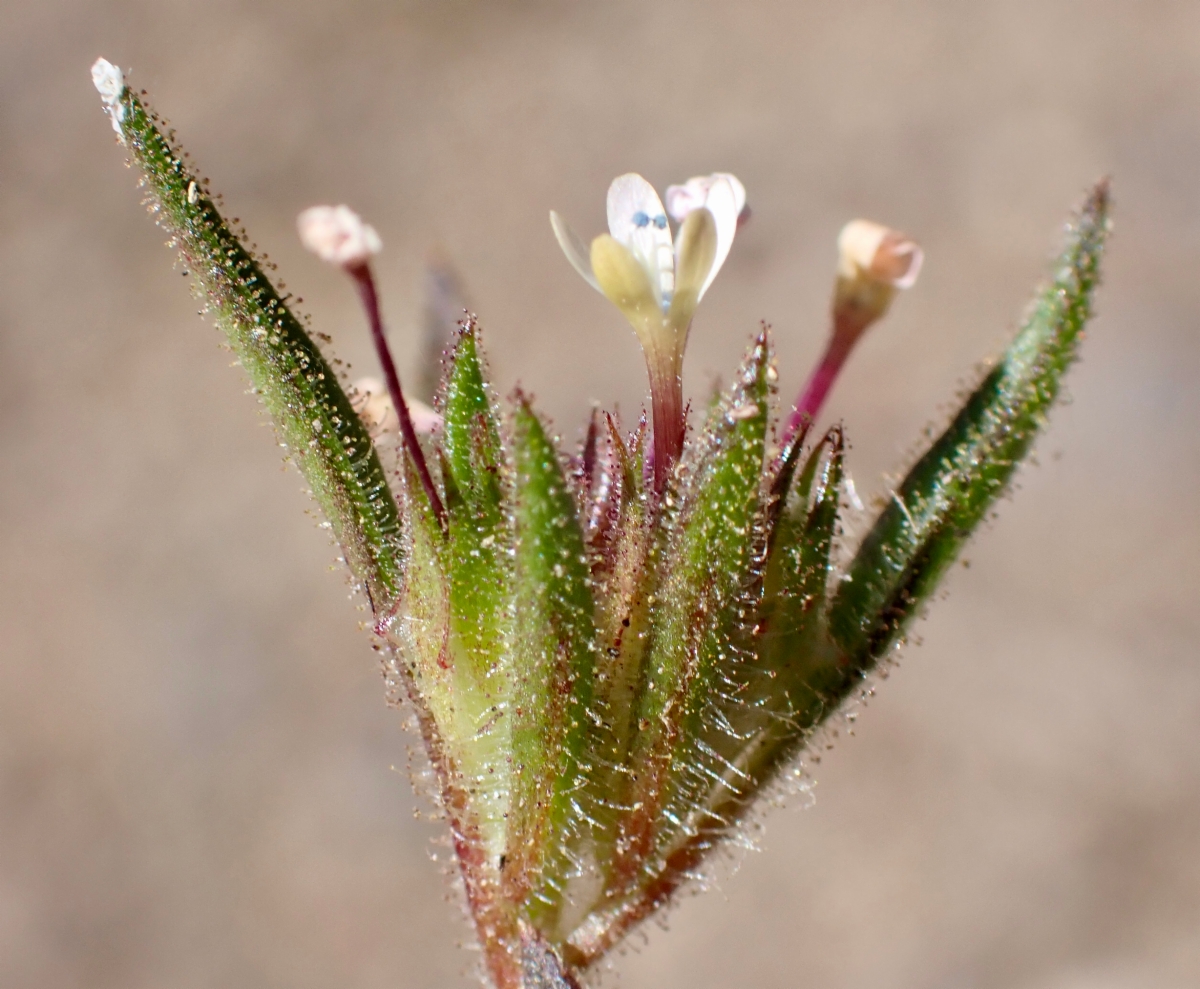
x=613, y=658
x=874, y=263
x=339, y=236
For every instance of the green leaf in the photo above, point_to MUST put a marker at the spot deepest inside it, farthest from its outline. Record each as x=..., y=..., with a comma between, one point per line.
x=801, y=677
x=949, y=491
x=798, y=568
x=315, y=420
x=479, y=577
x=795, y=680
x=703, y=601
x=552, y=705
x=479, y=565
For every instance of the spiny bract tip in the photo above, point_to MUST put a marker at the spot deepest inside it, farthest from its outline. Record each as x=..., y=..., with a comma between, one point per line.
x=110, y=84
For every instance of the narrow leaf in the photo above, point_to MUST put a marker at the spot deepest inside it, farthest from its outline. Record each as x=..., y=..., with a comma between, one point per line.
x=480, y=571
x=552, y=703
x=949, y=491
x=479, y=580
x=316, y=422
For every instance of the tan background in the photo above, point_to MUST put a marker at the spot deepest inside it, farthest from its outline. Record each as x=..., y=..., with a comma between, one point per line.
x=195, y=757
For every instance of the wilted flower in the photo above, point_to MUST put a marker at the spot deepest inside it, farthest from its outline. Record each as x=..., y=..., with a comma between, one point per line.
x=874, y=263
x=338, y=235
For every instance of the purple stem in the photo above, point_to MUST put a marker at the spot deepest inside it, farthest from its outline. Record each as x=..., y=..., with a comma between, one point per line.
x=370, y=301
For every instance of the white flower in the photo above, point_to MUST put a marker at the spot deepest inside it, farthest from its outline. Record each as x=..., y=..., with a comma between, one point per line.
x=655, y=279
x=338, y=235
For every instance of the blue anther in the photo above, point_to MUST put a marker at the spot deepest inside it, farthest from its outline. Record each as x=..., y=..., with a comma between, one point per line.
x=660, y=221
x=640, y=219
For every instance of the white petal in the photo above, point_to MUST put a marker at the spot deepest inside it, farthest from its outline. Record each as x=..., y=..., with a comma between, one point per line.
x=723, y=203
x=636, y=218
x=108, y=80
x=574, y=248
x=739, y=190
x=915, y=258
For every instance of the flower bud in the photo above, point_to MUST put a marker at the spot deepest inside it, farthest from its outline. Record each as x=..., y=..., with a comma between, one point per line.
x=338, y=235
x=874, y=263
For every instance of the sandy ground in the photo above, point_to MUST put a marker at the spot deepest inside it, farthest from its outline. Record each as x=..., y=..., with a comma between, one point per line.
x=200, y=783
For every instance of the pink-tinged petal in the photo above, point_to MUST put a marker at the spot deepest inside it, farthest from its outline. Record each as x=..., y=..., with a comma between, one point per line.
x=574, y=248
x=682, y=199
x=637, y=220
x=722, y=195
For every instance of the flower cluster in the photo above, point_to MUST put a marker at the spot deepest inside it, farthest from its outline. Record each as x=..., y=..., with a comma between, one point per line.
x=657, y=281
x=613, y=656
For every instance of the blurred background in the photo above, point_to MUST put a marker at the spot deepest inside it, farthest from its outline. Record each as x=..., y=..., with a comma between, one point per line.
x=200, y=782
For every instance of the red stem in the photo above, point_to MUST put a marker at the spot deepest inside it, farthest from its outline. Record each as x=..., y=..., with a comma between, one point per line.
x=370, y=300
x=812, y=397
x=666, y=400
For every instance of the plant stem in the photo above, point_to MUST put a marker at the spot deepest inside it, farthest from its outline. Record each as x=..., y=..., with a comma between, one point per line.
x=370, y=300
x=808, y=406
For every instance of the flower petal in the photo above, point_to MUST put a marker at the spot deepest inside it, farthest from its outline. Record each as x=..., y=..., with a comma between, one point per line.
x=695, y=252
x=627, y=285
x=682, y=199
x=636, y=218
x=722, y=195
x=574, y=248
x=723, y=202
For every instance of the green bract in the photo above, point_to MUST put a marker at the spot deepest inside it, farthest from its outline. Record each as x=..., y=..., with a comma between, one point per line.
x=608, y=676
